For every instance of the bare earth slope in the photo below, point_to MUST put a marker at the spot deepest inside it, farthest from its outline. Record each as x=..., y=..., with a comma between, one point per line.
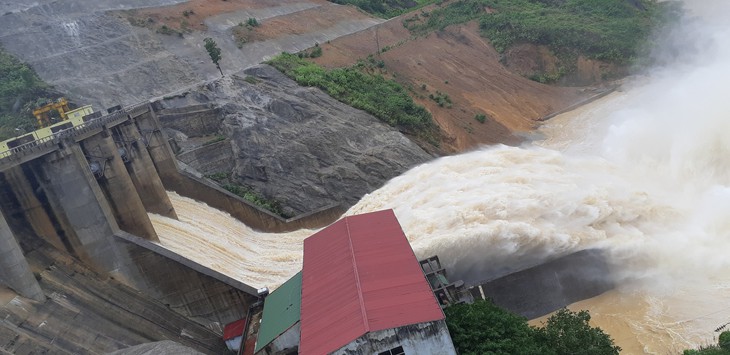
x=88, y=50
x=462, y=64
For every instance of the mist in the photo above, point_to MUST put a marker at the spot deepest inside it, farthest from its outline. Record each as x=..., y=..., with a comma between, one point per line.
x=649, y=184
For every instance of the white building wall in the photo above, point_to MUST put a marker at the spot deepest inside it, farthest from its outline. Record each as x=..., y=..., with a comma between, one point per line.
x=416, y=339
x=284, y=343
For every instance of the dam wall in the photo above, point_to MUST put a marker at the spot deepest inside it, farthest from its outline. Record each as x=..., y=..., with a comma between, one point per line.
x=190, y=289
x=193, y=121
x=539, y=290
x=211, y=158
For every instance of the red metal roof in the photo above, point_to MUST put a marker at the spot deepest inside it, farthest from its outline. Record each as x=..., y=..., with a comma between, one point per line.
x=360, y=275
x=234, y=329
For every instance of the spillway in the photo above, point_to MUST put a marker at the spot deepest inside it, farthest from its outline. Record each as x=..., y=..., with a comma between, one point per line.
x=215, y=239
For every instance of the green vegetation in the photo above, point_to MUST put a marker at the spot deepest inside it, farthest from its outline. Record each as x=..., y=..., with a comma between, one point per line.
x=215, y=140
x=480, y=117
x=610, y=30
x=218, y=177
x=252, y=22
x=483, y=328
x=214, y=52
x=247, y=194
x=386, y=8
x=314, y=52
x=441, y=99
x=21, y=90
x=722, y=347
x=187, y=13
x=251, y=80
x=165, y=30
x=251, y=196
x=355, y=86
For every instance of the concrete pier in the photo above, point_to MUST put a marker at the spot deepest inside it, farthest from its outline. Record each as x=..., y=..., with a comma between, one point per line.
x=35, y=213
x=158, y=147
x=74, y=195
x=142, y=171
x=117, y=186
x=14, y=269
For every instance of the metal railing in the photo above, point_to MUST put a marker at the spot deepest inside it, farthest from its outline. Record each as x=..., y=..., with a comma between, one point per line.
x=50, y=143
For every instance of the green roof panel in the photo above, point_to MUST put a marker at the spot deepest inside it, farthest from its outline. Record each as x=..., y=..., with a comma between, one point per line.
x=282, y=309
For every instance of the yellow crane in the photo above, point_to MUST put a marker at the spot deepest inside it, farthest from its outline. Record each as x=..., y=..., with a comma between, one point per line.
x=43, y=113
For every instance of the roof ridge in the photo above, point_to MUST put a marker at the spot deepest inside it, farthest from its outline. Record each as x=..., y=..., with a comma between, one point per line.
x=357, y=279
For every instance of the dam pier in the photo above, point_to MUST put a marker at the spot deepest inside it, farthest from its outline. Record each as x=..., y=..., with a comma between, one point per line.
x=87, y=192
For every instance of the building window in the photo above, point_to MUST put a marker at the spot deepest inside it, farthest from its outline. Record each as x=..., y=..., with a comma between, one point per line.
x=394, y=351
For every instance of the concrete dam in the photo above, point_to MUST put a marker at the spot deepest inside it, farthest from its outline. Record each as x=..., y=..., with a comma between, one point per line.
x=88, y=193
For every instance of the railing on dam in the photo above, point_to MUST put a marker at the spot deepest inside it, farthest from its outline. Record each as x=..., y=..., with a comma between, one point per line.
x=45, y=145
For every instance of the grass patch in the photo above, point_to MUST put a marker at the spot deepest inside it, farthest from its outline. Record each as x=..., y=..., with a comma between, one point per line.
x=370, y=92
x=610, y=30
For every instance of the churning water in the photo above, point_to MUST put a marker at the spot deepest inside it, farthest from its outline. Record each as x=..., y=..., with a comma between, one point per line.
x=643, y=174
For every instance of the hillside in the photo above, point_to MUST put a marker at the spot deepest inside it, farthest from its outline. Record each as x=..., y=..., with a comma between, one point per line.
x=107, y=52
x=459, y=63
x=477, y=65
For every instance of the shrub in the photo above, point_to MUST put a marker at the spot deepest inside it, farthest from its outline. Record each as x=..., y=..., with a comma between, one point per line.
x=252, y=22
x=481, y=117
x=724, y=340
x=316, y=51
x=256, y=199
x=441, y=99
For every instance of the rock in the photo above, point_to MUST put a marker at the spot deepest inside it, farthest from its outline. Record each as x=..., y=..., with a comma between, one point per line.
x=301, y=147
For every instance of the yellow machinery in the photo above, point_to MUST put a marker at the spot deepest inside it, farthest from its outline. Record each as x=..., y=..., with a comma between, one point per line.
x=43, y=113
x=71, y=118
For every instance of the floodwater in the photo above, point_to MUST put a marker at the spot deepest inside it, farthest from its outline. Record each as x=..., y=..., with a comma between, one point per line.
x=643, y=173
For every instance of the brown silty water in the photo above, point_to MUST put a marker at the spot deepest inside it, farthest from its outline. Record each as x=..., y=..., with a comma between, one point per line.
x=642, y=174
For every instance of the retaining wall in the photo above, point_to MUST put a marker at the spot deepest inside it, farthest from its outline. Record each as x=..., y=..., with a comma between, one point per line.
x=542, y=289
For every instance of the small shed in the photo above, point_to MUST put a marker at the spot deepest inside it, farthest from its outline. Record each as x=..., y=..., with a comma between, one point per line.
x=279, y=331
x=233, y=334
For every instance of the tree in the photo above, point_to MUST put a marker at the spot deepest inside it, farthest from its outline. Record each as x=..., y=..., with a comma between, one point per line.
x=483, y=328
x=214, y=52
x=568, y=332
